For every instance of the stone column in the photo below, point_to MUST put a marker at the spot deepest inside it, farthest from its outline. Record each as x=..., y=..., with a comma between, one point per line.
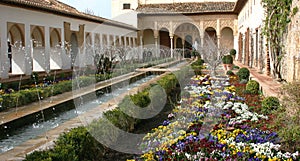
x=47, y=49
x=65, y=54
x=183, y=43
x=4, y=63
x=156, y=34
x=28, y=50
x=141, y=44
x=171, y=39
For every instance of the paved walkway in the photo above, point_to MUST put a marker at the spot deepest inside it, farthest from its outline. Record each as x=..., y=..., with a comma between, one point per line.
x=269, y=86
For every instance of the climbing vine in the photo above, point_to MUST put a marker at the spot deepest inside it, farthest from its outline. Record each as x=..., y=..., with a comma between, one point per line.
x=278, y=16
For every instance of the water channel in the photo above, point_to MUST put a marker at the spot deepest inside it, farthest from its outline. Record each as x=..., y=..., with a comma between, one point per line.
x=17, y=136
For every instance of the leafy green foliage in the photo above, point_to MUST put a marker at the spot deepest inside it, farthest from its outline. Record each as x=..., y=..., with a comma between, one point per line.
x=197, y=66
x=236, y=67
x=270, y=104
x=76, y=145
x=252, y=86
x=232, y=52
x=120, y=119
x=26, y=96
x=229, y=72
x=278, y=16
x=79, y=144
x=243, y=73
x=227, y=59
x=141, y=99
x=288, y=117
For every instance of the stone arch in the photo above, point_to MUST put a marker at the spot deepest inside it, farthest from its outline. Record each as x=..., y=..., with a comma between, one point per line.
x=55, y=52
x=97, y=40
x=117, y=41
x=127, y=41
x=104, y=40
x=122, y=43
x=164, y=38
x=15, y=34
x=111, y=40
x=197, y=43
x=211, y=33
x=16, y=41
x=54, y=38
x=190, y=29
x=37, y=36
x=177, y=26
x=227, y=38
x=188, y=42
x=74, y=48
x=131, y=42
x=148, y=37
x=179, y=42
x=88, y=39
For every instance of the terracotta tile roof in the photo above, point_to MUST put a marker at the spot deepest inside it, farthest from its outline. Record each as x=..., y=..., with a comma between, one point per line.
x=57, y=7
x=200, y=7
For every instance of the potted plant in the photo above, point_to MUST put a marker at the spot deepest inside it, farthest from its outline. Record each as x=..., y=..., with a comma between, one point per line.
x=227, y=62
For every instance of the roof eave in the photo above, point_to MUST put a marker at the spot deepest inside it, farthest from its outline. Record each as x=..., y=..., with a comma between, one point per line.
x=67, y=14
x=185, y=13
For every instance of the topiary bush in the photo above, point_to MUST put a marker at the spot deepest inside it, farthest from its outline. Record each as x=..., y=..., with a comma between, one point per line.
x=236, y=67
x=76, y=145
x=243, y=73
x=253, y=87
x=270, y=104
x=227, y=59
x=232, y=52
x=229, y=72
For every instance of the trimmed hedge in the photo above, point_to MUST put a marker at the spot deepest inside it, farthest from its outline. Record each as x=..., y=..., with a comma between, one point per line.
x=243, y=73
x=27, y=96
x=78, y=143
x=252, y=86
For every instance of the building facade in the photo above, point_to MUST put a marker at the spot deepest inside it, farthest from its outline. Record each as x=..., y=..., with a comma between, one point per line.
x=46, y=35
x=291, y=60
x=251, y=42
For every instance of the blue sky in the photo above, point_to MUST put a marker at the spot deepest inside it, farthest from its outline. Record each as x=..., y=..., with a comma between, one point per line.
x=100, y=8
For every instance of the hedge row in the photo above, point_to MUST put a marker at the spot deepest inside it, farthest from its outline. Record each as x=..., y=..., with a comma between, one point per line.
x=78, y=143
x=26, y=96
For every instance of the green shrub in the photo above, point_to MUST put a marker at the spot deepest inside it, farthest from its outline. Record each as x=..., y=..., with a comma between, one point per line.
x=120, y=119
x=141, y=99
x=232, y=52
x=197, y=66
x=229, y=72
x=236, y=67
x=35, y=77
x=199, y=62
x=39, y=155
x=76, y=145
x=168, y=82
x=227, y=59
x=243, y=73
x=270, y=104
x=252, y=86
x=288, y=116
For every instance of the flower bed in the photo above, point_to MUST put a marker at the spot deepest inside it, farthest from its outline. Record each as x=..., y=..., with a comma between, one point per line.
x=211, y=122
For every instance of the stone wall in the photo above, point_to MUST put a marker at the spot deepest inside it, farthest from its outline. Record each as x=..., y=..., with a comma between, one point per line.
x=291, y=60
